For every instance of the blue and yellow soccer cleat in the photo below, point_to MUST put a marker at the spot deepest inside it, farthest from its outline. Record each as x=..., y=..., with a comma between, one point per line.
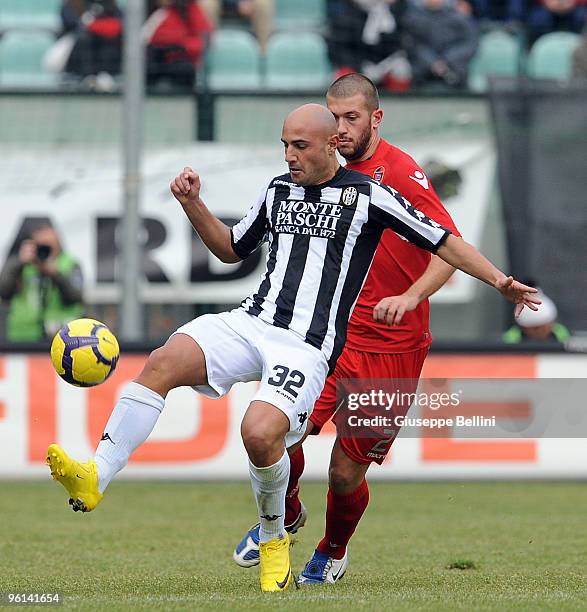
x=276, y=574
x=246, y=554
x=322, y=569
x=79, y=479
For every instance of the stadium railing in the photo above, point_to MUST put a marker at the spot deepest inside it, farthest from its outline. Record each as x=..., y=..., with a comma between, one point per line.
x=440, y=347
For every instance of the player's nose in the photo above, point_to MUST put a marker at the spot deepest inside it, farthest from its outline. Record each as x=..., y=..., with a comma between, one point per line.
x=289, y=155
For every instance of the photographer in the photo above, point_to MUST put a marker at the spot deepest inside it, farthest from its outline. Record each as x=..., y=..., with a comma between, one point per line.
x=43, y=285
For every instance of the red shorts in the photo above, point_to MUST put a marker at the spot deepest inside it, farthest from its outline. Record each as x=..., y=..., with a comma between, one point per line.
x=359, y=364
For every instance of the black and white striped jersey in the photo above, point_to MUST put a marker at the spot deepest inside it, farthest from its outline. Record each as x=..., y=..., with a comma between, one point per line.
x=321, y=244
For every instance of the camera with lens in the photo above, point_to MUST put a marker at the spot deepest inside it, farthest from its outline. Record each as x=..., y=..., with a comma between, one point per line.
x=43, y=252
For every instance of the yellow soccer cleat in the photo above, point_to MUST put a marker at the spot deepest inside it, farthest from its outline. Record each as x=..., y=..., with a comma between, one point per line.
x=276, y=574
x=80, y=479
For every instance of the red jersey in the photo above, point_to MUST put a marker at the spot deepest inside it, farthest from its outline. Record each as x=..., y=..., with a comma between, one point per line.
x=397, y=263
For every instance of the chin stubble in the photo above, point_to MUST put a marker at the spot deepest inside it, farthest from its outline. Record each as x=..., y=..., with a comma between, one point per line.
x=360, y=149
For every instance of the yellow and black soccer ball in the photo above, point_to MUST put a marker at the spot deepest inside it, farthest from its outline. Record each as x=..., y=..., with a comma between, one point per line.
x=84, y=352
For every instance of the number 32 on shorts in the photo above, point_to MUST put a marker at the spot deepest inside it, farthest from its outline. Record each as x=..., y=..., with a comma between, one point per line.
x=291, y=380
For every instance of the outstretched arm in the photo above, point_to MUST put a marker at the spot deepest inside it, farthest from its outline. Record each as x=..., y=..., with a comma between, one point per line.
x=390, y=310
x=392, y=211
x=467, y=258
x=214, y=234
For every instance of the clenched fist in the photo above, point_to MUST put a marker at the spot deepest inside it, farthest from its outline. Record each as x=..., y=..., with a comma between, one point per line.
x=185, y=187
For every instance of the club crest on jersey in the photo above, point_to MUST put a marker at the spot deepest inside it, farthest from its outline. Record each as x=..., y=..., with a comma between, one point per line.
x=349, y=196
x=378, y=173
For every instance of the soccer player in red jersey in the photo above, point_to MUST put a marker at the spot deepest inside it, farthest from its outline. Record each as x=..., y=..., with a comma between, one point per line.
x=387, y=337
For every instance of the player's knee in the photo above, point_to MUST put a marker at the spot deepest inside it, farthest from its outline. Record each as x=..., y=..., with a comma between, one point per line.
x=343, y=479
x=158, y=369
x=260, y=441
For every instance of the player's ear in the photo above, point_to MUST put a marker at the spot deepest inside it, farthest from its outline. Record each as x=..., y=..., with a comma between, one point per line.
x=333, y=143
x=376, y=118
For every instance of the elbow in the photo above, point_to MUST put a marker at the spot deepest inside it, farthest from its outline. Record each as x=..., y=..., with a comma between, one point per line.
x=230, y=258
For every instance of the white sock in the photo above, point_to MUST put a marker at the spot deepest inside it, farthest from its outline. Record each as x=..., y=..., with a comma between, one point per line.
x=129, y=425
x=269, y=487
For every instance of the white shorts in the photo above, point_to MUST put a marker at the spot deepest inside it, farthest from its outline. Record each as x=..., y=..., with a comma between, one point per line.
x=239, y=347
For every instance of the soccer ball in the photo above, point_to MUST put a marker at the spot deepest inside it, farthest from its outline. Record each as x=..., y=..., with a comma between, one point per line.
x=84, y=352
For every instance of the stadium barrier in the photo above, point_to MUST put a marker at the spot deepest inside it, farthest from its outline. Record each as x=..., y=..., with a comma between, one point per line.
x=199, y=438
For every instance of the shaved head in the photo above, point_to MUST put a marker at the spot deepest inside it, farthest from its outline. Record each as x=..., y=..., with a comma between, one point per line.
x=355, y=84
x=314, y=118
x=310, y=138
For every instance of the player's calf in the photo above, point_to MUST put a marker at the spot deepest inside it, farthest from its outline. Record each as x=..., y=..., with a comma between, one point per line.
x=345, y=475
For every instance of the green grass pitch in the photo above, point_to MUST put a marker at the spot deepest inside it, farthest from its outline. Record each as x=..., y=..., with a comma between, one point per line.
x=168, y=546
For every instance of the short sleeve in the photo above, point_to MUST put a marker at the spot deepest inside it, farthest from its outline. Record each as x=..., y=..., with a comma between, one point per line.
x=392, y=211
x=251, y=231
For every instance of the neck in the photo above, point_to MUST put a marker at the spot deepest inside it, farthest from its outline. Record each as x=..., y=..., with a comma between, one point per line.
x=330, y=174
x=373, y=144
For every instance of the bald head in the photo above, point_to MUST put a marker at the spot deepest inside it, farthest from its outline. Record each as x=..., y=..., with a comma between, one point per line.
x=310, y=139
x=313, y=118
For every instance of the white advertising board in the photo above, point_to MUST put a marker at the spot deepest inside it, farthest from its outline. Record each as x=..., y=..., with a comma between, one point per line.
x=200, y=438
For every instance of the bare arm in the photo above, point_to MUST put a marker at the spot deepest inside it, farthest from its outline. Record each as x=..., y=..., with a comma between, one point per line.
x=390, y=310
x=467, y=258
x=214, y=234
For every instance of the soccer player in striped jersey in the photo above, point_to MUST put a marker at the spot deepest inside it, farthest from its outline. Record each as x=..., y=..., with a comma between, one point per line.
x=387, y=337
x=323, y=223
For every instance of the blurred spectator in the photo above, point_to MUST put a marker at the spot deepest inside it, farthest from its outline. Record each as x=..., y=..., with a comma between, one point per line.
x=56, y=58
x=545, y=16
x=538, y=325
x=176, y=34
x=43, y=285
x=501, y=11
x=365, y=36
x=97, y=49
x=580, y=57
x=441, y=42
x=259, y=13
x=71, y=15
x=346, y=21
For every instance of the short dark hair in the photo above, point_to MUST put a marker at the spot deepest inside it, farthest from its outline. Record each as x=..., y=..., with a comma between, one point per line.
x=39, y=224
x=355, y=83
